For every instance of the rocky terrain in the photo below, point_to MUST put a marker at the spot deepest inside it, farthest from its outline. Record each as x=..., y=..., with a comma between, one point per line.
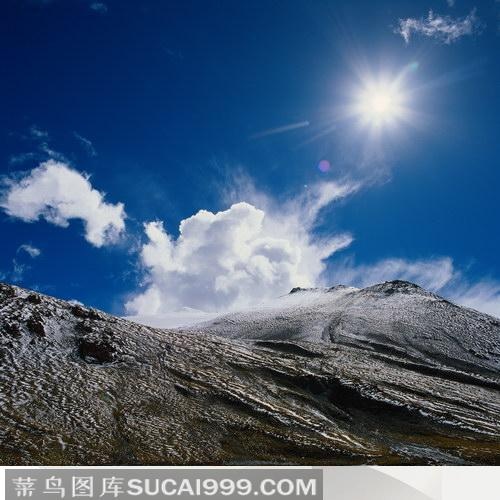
x=390, y=374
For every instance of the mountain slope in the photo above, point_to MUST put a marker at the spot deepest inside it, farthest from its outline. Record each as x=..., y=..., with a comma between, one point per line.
x=79, y=387
x=395, y=316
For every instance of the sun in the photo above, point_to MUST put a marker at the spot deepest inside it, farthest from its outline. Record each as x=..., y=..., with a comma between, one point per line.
x=379, y=103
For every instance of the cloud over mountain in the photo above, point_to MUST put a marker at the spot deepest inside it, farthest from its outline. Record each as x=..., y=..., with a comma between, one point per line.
x=432, y=274
x=436, y=274
x=237, y=257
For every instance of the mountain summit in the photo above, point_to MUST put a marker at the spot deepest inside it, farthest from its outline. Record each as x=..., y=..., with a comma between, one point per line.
x=396, y=316
x=389, y=374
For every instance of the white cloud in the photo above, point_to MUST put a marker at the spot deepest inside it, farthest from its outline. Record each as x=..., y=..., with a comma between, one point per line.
x=32, y=251
x=57, y=193
x=451, y=3
x=237, y=257
x=443, y=28
x=438, y=275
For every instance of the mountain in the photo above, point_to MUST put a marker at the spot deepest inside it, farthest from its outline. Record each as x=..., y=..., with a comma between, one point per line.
x=396, y=316
x=389, y=374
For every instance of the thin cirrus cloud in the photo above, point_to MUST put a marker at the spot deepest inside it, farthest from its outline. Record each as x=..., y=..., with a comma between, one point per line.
x=37, y=133
x=99, y=7
x=445, y=29
x=237, y=257
x=18, y=269
x=16, y=273
x=29, y=249
x=86, y=144
x=57, y=193
x=41, y=140
x=435, y=274
x=483, y=296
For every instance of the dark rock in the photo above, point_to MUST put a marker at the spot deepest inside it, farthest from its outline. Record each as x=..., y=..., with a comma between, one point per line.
x=35, y=326
x=84, y=327
x=399, y=286
x=34, y=298
x=7, y=291
x=83, y=312
x=12, y=329
x=96, y=350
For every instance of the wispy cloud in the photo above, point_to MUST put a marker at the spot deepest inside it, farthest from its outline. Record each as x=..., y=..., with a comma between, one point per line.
x=173, y=53
x=18, y=269
x=451, y=3
x=41, y=139
x=22, y=158
x=52, y=153
x=86, y=144
x=437, y=274
x=445, y=29
x=99, y=7
x=432, y=274
x=483, y=296
x=57, y=193
x=37, y=133
x=280, y=130
x=16, y=272
x=32, y=251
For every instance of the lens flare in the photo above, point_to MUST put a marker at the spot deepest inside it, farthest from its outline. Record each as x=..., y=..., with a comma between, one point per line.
x=324, y=166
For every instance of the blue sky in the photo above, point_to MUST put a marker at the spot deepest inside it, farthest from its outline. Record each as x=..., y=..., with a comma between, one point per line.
x=158, y=110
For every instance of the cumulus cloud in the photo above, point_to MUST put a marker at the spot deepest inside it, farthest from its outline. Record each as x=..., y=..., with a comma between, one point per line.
x=237, y=257
x=32, y=251
x=57, y=193
x=438, y=275
x=446, y=29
